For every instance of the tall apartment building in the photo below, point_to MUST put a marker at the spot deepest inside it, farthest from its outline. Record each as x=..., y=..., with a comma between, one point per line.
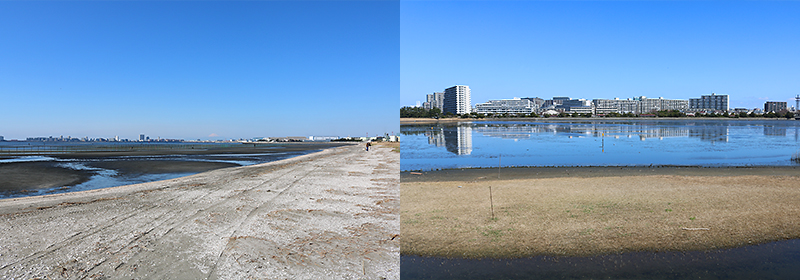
x=510, y=106
x=774, y=106
x=709, y=102
x=457, y=100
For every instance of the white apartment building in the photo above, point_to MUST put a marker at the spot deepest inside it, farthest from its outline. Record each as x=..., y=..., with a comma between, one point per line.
x=509, y=106
x=641, y=104
x=457, y=100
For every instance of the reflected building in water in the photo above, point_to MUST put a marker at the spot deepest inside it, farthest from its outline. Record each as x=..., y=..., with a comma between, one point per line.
x=458, y=140
x=770, y=130
x=435, y=136
x=643, y=132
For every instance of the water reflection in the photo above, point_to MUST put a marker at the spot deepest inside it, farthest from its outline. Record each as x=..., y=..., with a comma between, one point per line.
x=771, y=130
x=458, y=138
x=598, y=142
x=776, y=260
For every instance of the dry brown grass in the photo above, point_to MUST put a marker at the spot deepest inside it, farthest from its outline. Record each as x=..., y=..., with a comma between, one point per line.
x=596, y=215
x=394, y=145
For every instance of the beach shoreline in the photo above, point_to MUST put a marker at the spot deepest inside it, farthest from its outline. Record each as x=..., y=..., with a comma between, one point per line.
x=586, y=211
x=334, y=213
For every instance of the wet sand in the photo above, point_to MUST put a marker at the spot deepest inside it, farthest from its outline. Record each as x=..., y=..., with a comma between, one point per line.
x=28, y=176
x=328, y=215
x=589, y=211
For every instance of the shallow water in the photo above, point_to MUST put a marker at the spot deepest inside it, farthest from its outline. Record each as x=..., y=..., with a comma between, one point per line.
x=100, y=177
x=590, y=142
x=776, y=260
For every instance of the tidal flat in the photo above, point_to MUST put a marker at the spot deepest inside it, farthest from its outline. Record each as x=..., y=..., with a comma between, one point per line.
x=64, y=168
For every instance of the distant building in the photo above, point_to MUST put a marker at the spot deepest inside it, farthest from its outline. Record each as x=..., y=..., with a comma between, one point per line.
x=434, y=100
x=774, y=106
x=2, y=139
x=640, y=105
x=576, y=105
x=141, y=137
x=457, y=100
x=709, y=102
x=537, y=102
x=509, y=106
x=649, y=105
x=322, y=138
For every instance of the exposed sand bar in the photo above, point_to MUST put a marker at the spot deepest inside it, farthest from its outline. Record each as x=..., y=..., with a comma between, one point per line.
x=596, y=210
x=328, y=215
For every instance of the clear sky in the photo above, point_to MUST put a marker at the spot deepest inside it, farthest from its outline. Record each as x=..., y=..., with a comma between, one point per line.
x=209, y=70
x=602, y=49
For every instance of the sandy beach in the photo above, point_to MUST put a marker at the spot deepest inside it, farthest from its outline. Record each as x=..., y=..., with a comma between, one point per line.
x=327, y=215
x=588, y=211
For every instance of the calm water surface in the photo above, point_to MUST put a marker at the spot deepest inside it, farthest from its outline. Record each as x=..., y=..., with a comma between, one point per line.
x=600, y=143
x=777, y=260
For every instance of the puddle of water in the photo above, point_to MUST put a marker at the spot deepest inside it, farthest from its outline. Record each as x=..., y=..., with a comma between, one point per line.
x=775, y=260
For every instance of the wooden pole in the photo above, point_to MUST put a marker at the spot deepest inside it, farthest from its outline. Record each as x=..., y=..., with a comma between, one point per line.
x=491, y=201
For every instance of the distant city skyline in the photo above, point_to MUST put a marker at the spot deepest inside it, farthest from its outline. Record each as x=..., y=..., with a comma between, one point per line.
x=198, y=70
x=604, y=49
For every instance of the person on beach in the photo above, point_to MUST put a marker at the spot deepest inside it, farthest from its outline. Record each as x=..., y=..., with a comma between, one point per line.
x=367, y=146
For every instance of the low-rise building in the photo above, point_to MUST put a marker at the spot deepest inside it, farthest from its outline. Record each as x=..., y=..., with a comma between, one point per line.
x=709, y=102
x=774, y=106
x=641, y=104
x=507, y=106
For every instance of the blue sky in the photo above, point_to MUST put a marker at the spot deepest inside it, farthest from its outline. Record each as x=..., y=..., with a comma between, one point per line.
x=602, y=49
x=195, y=69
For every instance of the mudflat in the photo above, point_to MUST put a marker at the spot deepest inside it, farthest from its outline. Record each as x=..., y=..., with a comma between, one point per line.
x=584, y=211
x=22, y=177
x=333, y=214
x=25, y=176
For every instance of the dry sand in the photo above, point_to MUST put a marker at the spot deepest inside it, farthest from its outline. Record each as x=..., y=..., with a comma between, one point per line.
x=328, y=215
x=590, y=211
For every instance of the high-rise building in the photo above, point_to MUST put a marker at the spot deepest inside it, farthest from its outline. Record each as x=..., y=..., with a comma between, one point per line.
x=435, y=100
x=709, y=102
x=457, y=100
x=141, y=137
x=774, y=106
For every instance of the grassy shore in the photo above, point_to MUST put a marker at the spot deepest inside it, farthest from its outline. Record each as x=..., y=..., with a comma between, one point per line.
x=595, y=210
